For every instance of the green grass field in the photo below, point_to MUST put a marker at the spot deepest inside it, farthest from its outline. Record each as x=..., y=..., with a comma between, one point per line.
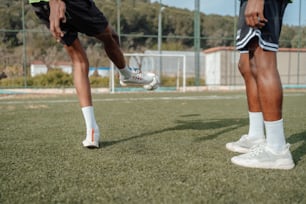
x=156, y=148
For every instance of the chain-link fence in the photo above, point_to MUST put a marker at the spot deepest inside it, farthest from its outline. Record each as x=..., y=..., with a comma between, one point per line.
x=165, y=27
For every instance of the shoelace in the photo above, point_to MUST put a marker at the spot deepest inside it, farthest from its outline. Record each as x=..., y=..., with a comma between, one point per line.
x=243, y=138
x=137, y=71
x=257, y=149
x=138, y=74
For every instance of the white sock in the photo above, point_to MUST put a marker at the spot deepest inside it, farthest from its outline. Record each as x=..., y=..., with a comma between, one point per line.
x=125, y=72
x=256, y=128
x=275, y=135
x=90, y=120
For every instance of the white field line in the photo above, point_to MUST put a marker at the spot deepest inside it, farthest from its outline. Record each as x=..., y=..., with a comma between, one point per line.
x=163, y=98
x=178, y=98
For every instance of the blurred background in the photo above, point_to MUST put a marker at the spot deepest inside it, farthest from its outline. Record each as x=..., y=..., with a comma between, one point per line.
x=188, y=43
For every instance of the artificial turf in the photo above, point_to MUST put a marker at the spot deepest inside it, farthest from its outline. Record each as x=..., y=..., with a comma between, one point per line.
x=155, y=148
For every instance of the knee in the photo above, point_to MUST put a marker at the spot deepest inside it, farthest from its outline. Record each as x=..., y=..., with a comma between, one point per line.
x=80, y=62
x=244, y=68
x=108, y=36
x=115, y=37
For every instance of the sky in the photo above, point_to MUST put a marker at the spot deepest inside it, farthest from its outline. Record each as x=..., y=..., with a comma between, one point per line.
x=227, y=7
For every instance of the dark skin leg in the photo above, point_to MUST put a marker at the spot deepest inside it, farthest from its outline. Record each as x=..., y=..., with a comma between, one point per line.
x=80, y=72
x=250, y=83
x=112, y=46
x=264, y=68
x=81, y=64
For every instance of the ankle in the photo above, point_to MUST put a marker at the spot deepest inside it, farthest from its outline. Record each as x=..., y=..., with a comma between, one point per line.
x=125, y=72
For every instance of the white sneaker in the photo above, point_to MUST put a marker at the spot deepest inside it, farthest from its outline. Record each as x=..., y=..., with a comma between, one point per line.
x=92, y=139
x=136, y=77
x=154, y=84
x=264, y=157
x=244, y=144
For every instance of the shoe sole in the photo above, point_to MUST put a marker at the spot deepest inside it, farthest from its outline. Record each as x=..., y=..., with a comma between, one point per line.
x=280, y=164
x=126, y=83
x=237, y=149
x=90, y=145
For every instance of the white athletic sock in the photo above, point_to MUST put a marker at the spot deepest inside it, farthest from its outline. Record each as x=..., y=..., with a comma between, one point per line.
x=90, y=120
x=275, y=135
x=256, y=128
x=126, y=72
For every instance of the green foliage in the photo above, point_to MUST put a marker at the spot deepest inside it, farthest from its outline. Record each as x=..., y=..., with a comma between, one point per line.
x=286, y=36
x=139, y=25
x=138, y=31
x=13, y=82
x=172, y=81
x=98, y=81
x=191, y=81
x=11, y=20
x=54, y=78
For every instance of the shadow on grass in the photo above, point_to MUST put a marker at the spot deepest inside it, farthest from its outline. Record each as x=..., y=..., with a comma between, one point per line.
x=300, y=151
x=226, y=125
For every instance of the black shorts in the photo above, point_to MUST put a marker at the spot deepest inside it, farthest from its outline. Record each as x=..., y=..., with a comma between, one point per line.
x=268, y=35
x=81, y=16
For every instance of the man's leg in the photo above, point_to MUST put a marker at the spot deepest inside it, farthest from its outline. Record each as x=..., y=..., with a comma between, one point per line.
x=82, y=85
x=270, y=94
x=275, y=154
x=250, y=83
x=264, y=66
x=256, y=128
x=112, y=48
x=255, y=134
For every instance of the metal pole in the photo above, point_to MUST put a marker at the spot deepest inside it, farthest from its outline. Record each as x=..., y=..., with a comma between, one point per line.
x=159, y=43
x=118, y=20
x=112, y=77
x=24, y=46
x=197, y=42
x=235, y=33
x=299, y=43
x=184, y=74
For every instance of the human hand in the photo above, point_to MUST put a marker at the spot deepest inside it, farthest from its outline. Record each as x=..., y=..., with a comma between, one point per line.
x=254, y=16
x=57, y=15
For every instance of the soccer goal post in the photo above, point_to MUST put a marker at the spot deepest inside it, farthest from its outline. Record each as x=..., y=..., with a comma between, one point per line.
x=171, y=68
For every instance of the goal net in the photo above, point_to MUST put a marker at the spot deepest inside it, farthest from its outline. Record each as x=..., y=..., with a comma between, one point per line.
x=171, y=69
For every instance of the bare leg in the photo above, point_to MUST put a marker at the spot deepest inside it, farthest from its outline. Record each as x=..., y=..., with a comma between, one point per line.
x=264, y=67
x=256, y=123
x=82, y=85
x=112, y=47
x=250, y=83
x=255, y=133
x=115, y=54
x=80, y=72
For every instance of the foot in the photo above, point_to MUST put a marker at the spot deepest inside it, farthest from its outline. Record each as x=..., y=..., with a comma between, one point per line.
x=244, y=144
x=264, y=157
x=136, y=77
x=92, y=139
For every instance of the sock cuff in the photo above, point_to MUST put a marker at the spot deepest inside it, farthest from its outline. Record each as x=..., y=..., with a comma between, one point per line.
x=255, y=114
x=125, y=72
x=87, y=108
x=272, y=123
